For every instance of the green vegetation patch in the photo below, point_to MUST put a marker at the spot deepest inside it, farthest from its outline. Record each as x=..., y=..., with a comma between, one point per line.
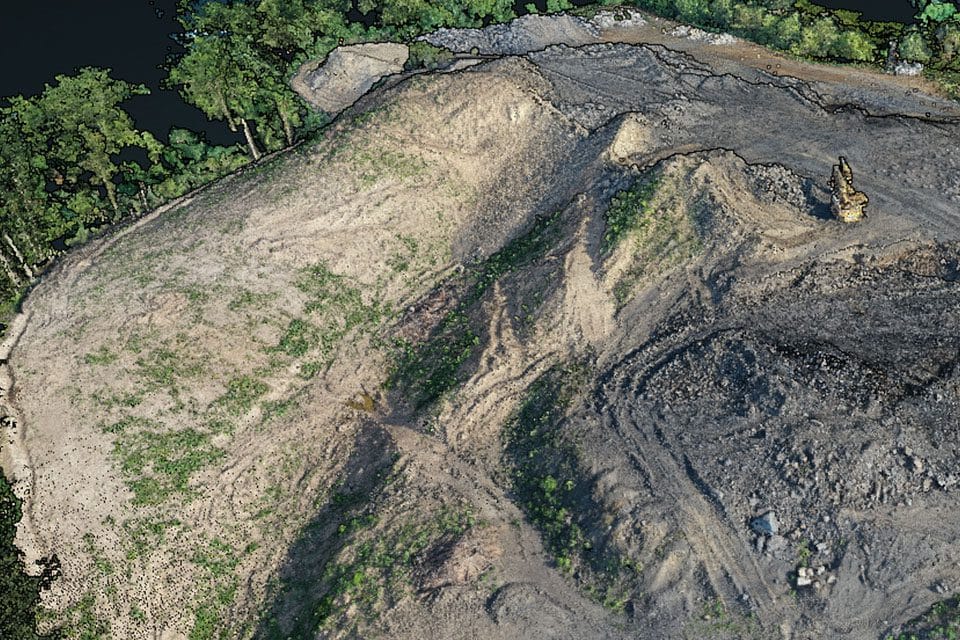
x=218, y=558
x=241, y=394
x=19, y=592
x=103, y=355
x=274, y=409
x=165, y=368
x=208, y=616
x=550, y=485
x=157, y=464
x=424, y=55
x=246, y=299
x=334, y=308
x=100, y=560
x=146, y=534
x=110, y=399
x=299, y=338
x=378, y=566
x=940, y=622
x=81, y=621
x=400, y=260
x=663, y=229
x=424, y=371
x=349, y=564
x=377, y=164
x=629, y=210
x=720, y=622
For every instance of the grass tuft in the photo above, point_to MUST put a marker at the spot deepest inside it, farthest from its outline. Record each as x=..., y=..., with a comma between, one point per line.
x=629, y=210
x=241, y=394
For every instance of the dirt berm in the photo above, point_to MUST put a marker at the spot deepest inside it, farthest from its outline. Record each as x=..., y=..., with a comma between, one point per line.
x=562, y=345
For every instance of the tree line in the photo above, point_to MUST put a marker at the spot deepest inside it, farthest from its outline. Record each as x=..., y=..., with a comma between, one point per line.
x=805, y=29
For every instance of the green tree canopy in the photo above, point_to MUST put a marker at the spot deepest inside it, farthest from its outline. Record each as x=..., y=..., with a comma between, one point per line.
x=937, y=11
x=25, y=208
x=82, y=125
x=914, y=47
x=19, y=592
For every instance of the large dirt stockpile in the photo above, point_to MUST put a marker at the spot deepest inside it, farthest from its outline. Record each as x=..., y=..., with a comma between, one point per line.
x=561, y=345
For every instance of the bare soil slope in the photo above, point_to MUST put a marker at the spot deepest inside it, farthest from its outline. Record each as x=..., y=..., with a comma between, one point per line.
x=590, y=398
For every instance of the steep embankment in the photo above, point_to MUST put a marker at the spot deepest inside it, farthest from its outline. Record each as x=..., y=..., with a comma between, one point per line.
x=591, y=392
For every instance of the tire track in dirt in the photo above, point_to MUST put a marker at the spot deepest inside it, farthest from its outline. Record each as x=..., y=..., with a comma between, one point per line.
x=724, y=553
x=812, y=131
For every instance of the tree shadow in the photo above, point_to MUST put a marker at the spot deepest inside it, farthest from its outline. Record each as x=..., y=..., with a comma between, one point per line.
x=818, y=200
x=298, y=586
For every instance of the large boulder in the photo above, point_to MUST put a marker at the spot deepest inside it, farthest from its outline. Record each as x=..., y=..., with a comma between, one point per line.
x=348, y=73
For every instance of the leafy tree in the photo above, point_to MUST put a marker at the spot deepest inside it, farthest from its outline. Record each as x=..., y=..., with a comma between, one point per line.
x=24, y=202
x=220, y=72
x=818, y=39
x=913, y=47
x=695, y=11
x=82, y=125
x=554, y=6
x=937, y=11
x=412, y=17
x=787, y=31
x=236, y=66
x=189, y=162
x=754, y=21
x=286, y=25
x=721, y=14
x=855, y=45
x=948, y=39
x=19, y=592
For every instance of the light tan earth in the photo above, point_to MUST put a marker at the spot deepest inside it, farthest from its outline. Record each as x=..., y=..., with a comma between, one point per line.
x=347, y=73
x=204, y=438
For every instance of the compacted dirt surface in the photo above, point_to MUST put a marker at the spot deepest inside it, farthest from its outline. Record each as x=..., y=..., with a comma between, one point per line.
x=565, y=344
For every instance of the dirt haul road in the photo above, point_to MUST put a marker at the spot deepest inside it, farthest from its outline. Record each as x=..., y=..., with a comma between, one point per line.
x=703, y=410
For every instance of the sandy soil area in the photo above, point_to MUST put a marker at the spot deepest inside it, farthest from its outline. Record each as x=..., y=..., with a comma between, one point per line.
x=205, y=438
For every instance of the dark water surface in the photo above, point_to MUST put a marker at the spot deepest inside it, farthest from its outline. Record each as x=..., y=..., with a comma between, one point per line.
x=42, y=38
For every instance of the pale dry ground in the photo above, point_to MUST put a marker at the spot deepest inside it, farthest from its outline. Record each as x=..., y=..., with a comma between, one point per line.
x=430, y=175
x=423, y=167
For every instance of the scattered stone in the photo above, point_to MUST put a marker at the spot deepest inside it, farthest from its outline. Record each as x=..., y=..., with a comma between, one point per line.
x=776, y=545
x=766, y=524
x=915, y=463
x=348, y=73
x=699, y=35
x=517, y=37
x=908, y=69
x=620, y=19
x=804, y=581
